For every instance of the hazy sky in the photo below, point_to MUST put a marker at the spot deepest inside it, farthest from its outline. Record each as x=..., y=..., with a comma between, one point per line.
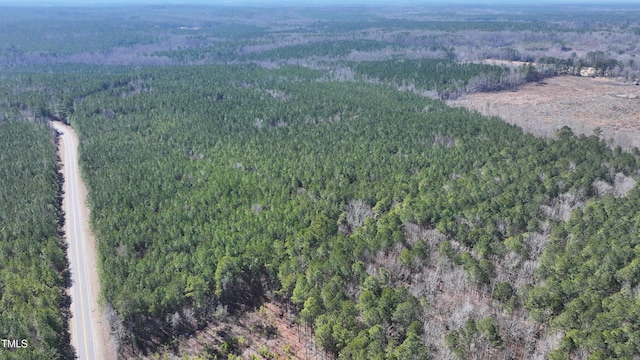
x=304, y=2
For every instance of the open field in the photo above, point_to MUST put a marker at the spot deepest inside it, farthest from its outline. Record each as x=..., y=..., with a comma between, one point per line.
x=578, y=102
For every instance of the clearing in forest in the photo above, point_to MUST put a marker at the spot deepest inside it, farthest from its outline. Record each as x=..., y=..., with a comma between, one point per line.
x=581, y=103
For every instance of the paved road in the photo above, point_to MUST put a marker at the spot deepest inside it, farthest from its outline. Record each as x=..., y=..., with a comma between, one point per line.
x=85, y=324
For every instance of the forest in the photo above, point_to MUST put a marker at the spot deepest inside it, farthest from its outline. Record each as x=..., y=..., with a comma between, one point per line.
x=240, y=157
x=33, y=265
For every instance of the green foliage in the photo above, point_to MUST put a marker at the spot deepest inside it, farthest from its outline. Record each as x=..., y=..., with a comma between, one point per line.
x=515, y=244
x=480, y=271
x=411, y=349
x=33, y=264
x=215, y=181
x=221, y=184
x=505, y=293
x=459, y=341
x=417, y=255
x=312, y=309
x=226, y=270
x=225, y=174
x=444, y=76
x=489, y=330
x=589, y=274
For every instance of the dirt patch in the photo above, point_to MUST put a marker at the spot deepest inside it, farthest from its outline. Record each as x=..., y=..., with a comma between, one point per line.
x=269, y=332
x=581, y=103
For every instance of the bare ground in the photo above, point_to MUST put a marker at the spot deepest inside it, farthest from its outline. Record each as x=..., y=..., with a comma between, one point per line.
x=269, y=332
x=582, y=103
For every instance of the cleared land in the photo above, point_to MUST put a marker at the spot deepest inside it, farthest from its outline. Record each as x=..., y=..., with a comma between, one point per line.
x=581, y=103
x=269, y=332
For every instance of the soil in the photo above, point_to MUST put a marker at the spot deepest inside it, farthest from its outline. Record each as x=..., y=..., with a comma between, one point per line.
x=582, y=103
x=269, y=332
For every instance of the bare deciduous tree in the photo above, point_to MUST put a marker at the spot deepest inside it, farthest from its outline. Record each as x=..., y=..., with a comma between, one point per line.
x=356, y=211
x=116, y=325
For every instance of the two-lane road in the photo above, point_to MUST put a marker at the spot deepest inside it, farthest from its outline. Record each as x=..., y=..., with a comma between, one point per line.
x=86, y=324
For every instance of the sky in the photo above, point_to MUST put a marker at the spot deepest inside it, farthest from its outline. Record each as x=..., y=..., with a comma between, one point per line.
x=304, y=2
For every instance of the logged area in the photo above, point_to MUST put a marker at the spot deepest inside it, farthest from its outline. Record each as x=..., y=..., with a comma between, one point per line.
x=336, y=182
x=608, y=107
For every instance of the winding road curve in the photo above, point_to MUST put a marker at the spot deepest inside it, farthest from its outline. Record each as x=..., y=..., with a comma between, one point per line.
x=86, y=324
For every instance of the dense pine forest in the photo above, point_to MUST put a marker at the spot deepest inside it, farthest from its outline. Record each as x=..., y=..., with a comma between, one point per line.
x=239, y=157
x=33, y=264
